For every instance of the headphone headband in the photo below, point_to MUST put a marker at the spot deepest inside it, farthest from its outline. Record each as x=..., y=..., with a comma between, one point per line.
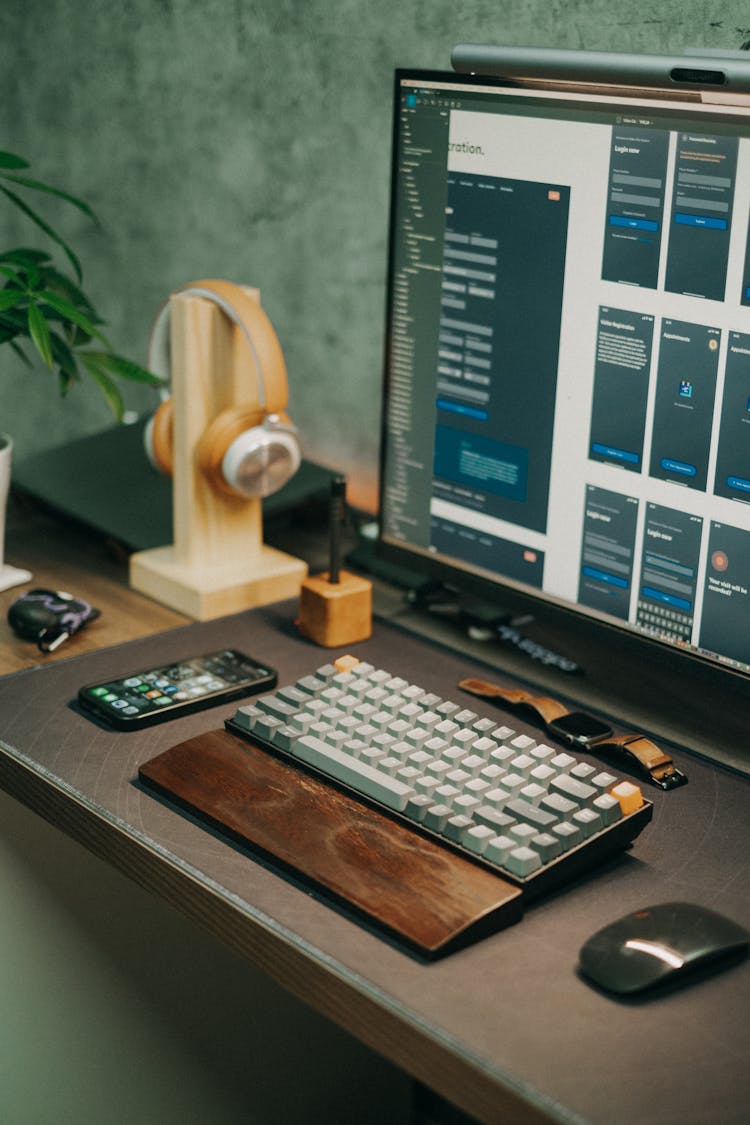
x=254, y=325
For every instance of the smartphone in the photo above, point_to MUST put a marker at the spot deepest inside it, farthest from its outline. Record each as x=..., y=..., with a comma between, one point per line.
x=167, y=692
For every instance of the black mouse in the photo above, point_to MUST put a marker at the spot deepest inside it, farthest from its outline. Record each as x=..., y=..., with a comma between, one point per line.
x=659, y=945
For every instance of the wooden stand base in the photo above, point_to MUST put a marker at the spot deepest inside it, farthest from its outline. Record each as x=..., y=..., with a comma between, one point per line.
x=336, y=613
x=430, y=899
x=215, y=591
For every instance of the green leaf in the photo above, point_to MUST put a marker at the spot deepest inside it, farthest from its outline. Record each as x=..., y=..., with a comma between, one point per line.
x=123, y=368
x=45, y=227
x=64, y=357
x=61, y=284
x=70, y=312
x=9, y=298
x=39, y=332
x=15, y=319
x=106, y=385
x=24, y=256
x=14, y=275
x=10, y=160
x=64, y=382
x=35, y=185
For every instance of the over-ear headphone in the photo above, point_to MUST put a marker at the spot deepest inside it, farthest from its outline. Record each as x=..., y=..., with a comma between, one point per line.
x=251, y=449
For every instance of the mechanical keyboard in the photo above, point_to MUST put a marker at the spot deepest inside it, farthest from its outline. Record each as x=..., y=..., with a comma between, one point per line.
x=531, y=813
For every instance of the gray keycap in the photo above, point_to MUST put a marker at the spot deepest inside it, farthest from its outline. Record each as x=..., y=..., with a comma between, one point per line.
x=272, y=705
x=293, y=695
x=573, y=789
x=493, y=818
x=310, y=685
x=559, y=806
x=539, y=818
x=353, y=771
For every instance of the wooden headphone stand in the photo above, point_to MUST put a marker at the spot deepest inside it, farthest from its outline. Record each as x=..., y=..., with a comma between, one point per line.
x=218, y=563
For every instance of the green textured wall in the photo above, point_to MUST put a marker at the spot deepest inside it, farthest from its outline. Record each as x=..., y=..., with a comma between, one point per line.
x=249, y=139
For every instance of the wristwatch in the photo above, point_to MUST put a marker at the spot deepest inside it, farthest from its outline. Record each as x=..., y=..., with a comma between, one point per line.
x=577, y=728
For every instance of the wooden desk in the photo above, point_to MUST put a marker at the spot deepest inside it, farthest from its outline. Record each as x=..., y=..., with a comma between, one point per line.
x=505, y=1030
x=65, y=556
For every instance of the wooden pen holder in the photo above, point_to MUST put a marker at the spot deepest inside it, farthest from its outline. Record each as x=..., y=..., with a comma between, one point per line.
x=336, y=613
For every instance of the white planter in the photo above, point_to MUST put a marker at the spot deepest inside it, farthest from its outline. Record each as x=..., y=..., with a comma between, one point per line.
x=9, y=575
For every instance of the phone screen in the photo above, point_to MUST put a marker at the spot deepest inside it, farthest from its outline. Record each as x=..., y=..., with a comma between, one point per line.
x=156, y=694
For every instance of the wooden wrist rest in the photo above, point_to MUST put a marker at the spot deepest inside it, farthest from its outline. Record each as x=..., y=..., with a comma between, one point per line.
x=428, y=898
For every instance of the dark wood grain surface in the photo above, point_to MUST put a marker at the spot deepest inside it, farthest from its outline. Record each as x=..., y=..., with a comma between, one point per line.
x=426, y=897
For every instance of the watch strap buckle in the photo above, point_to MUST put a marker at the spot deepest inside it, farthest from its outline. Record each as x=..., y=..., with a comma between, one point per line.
x=668, y=777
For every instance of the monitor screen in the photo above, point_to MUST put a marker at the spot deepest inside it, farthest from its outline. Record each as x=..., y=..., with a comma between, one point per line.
x=567, y=383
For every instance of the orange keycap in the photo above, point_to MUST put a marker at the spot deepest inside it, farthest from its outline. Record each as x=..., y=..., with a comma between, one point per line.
x=629, y=796
x=345, y=663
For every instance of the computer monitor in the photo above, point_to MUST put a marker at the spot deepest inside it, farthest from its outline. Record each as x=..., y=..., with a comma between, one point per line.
x=567, y=376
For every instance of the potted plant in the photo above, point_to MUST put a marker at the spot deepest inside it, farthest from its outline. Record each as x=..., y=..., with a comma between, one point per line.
x=47, y=307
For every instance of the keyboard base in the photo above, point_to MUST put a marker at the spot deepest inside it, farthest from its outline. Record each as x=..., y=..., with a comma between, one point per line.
x=430, y=900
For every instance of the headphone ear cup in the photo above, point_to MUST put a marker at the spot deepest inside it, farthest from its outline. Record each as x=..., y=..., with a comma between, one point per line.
x=246, y=453
x=158, y=438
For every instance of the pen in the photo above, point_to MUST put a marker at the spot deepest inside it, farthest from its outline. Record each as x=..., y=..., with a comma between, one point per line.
x=336, y=517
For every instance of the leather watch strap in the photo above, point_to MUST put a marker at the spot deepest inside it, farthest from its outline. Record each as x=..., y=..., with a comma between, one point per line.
x=548, y=709
x=650, y=758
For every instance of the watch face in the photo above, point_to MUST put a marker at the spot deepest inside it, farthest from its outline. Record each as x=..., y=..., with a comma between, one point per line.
x=577, y=726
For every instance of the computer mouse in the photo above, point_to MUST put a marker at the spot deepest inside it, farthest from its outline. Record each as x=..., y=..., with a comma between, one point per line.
x=659, y=945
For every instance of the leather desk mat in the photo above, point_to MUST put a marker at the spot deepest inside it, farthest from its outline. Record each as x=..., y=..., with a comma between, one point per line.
x=513, y=1004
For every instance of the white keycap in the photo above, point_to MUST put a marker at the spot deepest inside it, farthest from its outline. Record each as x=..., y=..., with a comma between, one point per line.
x=562, y=762
x=546, y=845
x=499, y=848
x=417, y=806
x=502, y=757
x=523, y=742
x=568, y=835
x=477, y=838
x=588, y=821
x=542, y=753
x=446, y=728
x=466, y=717
x=466, y=804
x=608, y=808
x=456, y=825
x=523, y=861
x=503, y=734
x=245, y=716
x=436, y=817
x=484, y=746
